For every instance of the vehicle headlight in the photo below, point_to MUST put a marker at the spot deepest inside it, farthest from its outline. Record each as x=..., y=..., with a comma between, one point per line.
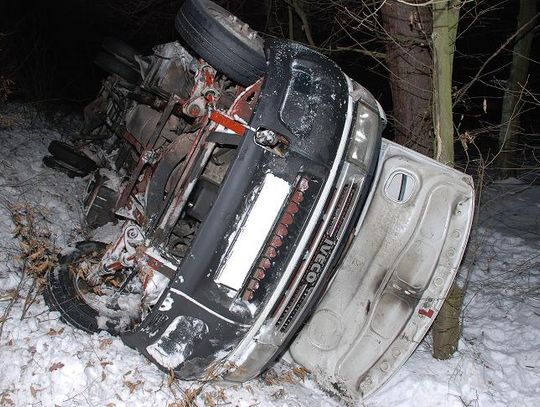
x=365, y=134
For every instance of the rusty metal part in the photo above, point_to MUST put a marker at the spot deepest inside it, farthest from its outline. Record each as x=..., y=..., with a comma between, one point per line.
x=126, y=135
x=205, y=91
x=271, y=141
x=163, y=222
x=130, y=252
x=196, y=107
x=167, y=171
x=245, y=102
x=241, y=110
x=150, y=145
x=231, y=124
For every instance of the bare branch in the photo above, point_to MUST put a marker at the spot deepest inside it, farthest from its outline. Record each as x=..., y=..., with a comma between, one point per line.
x=305, y=23
x=460, y=93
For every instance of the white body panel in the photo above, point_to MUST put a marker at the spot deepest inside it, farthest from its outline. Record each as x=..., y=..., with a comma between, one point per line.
x=395, y=276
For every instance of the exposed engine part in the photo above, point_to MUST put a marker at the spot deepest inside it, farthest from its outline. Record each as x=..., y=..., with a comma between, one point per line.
x=181, y=237
x=99, y=202
x=202, y=199
x=205, y=92
x=267, y=138
x=272, y=141
x=169, y=73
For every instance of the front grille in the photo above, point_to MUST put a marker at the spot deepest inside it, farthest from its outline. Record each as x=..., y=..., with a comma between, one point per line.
x=309, y=272
x=292, y=307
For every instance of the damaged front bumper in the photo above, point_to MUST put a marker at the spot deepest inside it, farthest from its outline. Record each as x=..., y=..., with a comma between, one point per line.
x=280, y=224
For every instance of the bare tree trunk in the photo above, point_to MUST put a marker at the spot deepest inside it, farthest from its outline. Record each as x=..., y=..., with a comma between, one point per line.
x=299, y=7
x=445, y=20
x=446, y=328
x=409, y=61
x=291, y=22
x=508, y=135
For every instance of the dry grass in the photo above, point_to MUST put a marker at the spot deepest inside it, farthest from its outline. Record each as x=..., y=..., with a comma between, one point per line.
x=291, y=376
x=197, y=392
x=38, y=252
x=38, y=256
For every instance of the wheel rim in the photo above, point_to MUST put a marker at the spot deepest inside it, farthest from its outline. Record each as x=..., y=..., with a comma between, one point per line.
x=235, y=26
x=121, y=312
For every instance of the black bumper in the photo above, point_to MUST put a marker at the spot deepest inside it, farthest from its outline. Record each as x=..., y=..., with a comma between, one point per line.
x=304, y=98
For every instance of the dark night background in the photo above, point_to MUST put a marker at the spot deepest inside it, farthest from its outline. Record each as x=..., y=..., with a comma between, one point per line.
x=49, y=46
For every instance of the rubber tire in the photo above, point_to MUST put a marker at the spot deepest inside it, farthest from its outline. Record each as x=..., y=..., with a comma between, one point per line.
x=115, y=66
x=61, y=294
x=124, y=52
x=55, y=164
x=66, y=153
x=209, y=38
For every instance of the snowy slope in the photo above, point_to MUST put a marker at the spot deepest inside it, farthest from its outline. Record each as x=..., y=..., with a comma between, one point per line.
x=45, y=362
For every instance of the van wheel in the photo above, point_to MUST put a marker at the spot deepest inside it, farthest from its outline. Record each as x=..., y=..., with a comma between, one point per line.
x=90, y=308
x=121, y=50
x=222, y=40
x=113, y=65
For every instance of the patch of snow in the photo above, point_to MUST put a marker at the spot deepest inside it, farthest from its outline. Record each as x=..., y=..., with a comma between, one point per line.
x=167, y=303
x=46, y=362
x=154, y=287
x=253, y=232
x=114, y=181
x=176, y=343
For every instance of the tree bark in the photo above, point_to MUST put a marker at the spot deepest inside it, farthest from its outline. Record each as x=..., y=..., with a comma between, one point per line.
x=409, y=61
x=446, y=327
x=508, y=134
x=445, y=20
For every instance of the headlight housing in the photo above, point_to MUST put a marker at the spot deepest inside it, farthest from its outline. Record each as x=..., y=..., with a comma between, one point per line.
x=364, y=136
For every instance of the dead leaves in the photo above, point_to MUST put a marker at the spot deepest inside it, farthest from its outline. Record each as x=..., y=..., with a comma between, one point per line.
x=54, y=332
x=291, y=376
x=56, y=366
x=35, y=391
x=300, y=372
x=105, y=343
x=132, y=386
x=210, y=398
x=37, y=248
x=198, y=395
x=38, y=253
x=214, y=398
x=5, y=400
x=190, y=395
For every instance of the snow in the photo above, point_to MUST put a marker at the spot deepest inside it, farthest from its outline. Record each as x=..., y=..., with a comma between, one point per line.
x=176, y=343
x=498, y=359
x=45, y=362
x=253, y=232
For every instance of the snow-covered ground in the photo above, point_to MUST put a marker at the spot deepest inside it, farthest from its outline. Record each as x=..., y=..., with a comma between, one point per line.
x=45, y=362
